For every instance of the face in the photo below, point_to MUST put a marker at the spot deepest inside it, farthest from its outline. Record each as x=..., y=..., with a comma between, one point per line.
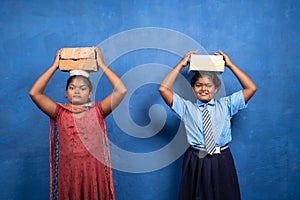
x=204, y=89
x=78, y=92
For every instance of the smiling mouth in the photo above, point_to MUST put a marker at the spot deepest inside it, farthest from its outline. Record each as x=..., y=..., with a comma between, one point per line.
x=203, y=93
x=76, y=96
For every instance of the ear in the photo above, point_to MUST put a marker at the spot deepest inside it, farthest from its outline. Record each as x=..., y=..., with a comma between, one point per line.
x=216, y=90
x=193, y=88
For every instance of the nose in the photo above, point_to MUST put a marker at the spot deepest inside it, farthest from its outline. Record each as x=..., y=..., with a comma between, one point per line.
x=77, y=90
x=203, y=87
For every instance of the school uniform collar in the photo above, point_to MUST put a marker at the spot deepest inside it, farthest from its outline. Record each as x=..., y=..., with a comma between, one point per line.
x=201, y=103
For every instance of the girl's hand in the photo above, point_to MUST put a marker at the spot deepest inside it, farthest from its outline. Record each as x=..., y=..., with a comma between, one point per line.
x=185, y=60
x=226, y=58
x=56, y=58
x=100, y=58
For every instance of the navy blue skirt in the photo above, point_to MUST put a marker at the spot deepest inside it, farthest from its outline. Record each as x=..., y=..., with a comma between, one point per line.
x=209, y=178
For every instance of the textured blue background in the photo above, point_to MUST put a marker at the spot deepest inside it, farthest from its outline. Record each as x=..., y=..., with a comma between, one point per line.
x=262, y=37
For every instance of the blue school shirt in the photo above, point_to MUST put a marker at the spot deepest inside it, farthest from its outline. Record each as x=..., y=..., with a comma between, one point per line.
x=221, y=112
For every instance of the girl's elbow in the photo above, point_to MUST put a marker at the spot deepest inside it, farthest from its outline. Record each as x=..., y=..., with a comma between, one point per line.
x=162, y=89
x=254, y=89
x=123, y=92
x=251, y=89
x=31, y=93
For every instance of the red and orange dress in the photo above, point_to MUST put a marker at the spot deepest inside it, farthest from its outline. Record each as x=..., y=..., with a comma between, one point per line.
x=79, y=154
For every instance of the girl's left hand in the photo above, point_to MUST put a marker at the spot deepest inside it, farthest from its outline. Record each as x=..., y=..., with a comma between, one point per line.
x=100, y=58
x=225, y=58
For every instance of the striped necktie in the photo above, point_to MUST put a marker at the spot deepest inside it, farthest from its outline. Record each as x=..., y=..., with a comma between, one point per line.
x=208, y=132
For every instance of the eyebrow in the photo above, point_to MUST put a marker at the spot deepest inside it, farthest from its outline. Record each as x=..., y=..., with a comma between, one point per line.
x=71, y=84
x=204, y=83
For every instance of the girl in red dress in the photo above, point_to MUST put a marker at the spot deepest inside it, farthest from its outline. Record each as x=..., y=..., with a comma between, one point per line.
x=79, y=153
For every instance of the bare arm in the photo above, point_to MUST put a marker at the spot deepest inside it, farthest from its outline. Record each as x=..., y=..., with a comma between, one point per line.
x=166, y=85
x=110, y=102
x=249, y=87
x=37, y=90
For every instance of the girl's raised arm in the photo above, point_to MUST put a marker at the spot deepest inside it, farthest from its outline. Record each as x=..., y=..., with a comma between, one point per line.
x=249, y=87
x=111, y=101
x=37, y=90
x=166, y=85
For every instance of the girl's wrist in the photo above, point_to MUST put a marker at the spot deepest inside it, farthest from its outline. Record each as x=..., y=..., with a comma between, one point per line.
x=230, y=65
x=179, y=67
x=103, y=67
x=54, y=66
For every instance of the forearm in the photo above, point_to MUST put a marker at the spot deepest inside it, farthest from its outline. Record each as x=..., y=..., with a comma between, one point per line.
x=169, y=80
x=114, y=80
x=119, y=92
x=166, y=85
x=244, y=80
x=249, y=87
x=165, y=88
x=41, y=83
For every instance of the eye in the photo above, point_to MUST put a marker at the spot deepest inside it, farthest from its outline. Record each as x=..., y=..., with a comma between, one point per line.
x=83, y=88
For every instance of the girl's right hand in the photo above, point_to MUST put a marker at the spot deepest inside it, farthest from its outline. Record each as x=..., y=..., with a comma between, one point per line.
x=185, y=60
x=56, y=58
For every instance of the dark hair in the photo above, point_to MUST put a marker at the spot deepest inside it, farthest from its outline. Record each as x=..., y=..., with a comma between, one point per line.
x=85, y=79
x=213, y=75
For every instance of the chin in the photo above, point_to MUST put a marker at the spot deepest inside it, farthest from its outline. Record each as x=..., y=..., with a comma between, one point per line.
x=77, y=103
x=205, y=100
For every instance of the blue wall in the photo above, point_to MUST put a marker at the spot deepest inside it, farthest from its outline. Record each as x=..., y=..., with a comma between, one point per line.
x=263, y=38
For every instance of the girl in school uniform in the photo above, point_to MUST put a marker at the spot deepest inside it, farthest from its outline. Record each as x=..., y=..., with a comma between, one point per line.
x=208, y=171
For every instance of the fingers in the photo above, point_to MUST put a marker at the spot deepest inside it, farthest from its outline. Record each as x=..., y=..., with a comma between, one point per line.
x=219, y=52
x=98, y=50
x=223, y=54
x=57, y=57
x=225, y=58
x=99, y=53
x=188, y=55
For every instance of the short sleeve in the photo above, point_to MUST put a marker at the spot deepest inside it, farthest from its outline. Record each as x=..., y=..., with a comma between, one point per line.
x=58, y=111
x=236, y=102
x=99, y=108
x=178, y=105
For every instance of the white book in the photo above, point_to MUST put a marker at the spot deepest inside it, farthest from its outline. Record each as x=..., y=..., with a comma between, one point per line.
x=206, y=63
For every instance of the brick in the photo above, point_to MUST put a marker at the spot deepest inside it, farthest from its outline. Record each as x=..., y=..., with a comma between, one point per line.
x=80, y=64
x=83, y=58
x=78, y=53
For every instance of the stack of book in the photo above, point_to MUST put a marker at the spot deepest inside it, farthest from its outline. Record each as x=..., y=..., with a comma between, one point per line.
x=206, y=63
